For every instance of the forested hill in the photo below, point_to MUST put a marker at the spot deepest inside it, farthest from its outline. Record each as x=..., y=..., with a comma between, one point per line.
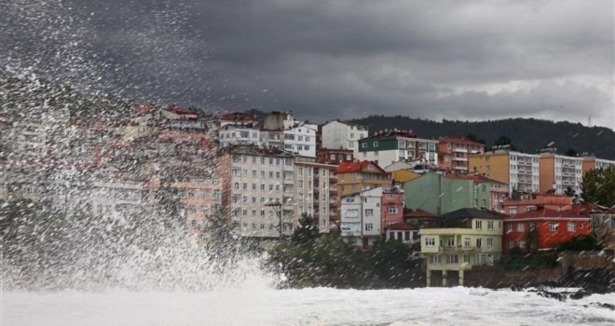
x=527, y=135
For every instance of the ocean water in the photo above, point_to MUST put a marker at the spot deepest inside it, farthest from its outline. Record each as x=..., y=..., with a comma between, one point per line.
x=313, y=306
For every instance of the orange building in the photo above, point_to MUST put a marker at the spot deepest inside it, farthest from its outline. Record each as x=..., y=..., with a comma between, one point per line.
x=519, y=170
x=591, y=163
x=560, y=173
x=353, y=177
x=537, y=201
x=453, y=153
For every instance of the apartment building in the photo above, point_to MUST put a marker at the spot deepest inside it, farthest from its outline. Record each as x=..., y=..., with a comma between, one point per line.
x=281, y=130
x=545, y=229
x=353, y=177
x=342, y=135
x=560, y=173
x=453, y=153
x=387, y=147
x=441, y=194
x=316, y=192
x=238, y=135
x=591, y=162
x=520, y=171
x=260, y=190
x=459, y=240
x=334, y=156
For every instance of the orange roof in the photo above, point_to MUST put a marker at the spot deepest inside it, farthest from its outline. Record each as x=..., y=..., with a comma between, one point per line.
x=181, y=111
x=350, y=167
x=579, y=211
x=238, y=116
x=540, y=200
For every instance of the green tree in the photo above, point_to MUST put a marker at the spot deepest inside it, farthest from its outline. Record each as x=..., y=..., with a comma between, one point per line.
x=394, y=263
x=598, y=186
x=307, y=231
x=504, y=140
x=571, y=152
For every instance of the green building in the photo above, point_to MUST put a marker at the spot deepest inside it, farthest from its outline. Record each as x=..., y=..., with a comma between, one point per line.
x=440, y=194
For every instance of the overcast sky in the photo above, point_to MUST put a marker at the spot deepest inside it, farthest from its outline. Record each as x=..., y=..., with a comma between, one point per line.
x=469, y=60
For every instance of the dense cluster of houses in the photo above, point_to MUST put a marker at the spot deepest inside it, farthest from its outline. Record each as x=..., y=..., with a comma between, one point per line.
x=459, y=203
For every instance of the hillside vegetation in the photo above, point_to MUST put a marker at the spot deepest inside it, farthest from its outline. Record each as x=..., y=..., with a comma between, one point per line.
x=528, y=135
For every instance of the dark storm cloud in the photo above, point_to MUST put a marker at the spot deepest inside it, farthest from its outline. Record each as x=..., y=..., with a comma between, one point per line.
x=340, y=58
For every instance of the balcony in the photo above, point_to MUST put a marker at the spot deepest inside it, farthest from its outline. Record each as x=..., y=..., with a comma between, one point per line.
x=460, y=150
x=459, y=249
x=458, y=158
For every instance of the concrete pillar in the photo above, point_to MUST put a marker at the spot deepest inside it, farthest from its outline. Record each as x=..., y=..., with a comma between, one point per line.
x=428, y=278
x=444, y=278
x=461, y=277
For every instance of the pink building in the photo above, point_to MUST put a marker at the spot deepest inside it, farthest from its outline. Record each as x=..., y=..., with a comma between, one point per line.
x=392, y=206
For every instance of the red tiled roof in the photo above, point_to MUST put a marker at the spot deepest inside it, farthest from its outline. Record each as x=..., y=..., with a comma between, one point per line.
x=350, y=167
x=579, y=211
x=181, y=111
x=238, y=116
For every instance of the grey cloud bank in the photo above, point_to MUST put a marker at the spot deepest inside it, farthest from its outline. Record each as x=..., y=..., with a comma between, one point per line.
x=551, y=59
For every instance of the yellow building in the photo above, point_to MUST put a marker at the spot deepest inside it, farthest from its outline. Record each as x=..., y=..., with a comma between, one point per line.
x=459, y=240
x=353, y=177
x=403, y=176
x=520, y=171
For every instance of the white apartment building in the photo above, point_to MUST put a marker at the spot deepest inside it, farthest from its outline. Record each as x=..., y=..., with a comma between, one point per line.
x=393, y=146
x=114, y=198
x=342, y=135
x=281, y=130
x=313, y=192
x=361, y=216
x=260, y=190
x=524, y=172
x=238, y=134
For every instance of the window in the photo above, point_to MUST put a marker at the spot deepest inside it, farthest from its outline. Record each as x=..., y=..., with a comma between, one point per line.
x=430, y=242
x=478, y=225
x=479, y=242
x=553, y=226
x=364, y=145
x=375, y=144
x=522, y=244
x=520, y=227
x=508, y=227
x=352, y=213
x=450, y=242
x=407, y=235
x=369, y=212
x=571, y=227
x=435, y=259
x=511, y=244
x=393, y=210
x=489, y=242
x=490, y=225
x=369, y=226
x=452, y=259
x=466, y=242
x=392, y=235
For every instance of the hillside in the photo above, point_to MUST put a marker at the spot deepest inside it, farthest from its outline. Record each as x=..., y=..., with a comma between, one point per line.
x=528, y=135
